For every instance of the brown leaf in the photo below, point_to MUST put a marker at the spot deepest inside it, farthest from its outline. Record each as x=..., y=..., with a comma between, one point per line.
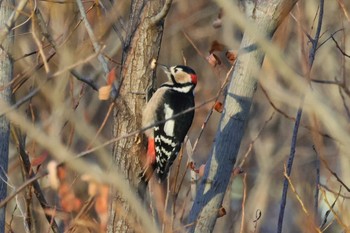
x=111, y=77
x=217, y=23
x=216, y=46
x=101, y=205
x=40, y=159
x=213, y=60
x=104, y=92
x=153, y=63
x=52, y=175
x=221, y=13
x=221, y=212
x=69, y=202
x=201, y=170
x=231, y=56
x=237, y=171
x=218, y=106
x=62, y=173
x=191, y=166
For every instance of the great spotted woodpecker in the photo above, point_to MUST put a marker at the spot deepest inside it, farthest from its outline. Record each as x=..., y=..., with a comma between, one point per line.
x=174, y=97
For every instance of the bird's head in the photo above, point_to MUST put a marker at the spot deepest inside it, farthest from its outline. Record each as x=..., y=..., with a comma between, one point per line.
x=180, y=74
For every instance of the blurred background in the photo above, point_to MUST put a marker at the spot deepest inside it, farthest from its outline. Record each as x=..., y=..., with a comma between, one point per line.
x=194, y=32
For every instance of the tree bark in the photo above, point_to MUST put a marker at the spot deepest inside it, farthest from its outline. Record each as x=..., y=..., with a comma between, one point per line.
x=6, y=71
x=266, y=15
x=142, y=43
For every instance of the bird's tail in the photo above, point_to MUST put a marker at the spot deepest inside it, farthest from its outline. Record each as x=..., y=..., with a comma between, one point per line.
x=145, y=176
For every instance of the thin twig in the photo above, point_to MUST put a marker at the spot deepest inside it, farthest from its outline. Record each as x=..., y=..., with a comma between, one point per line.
x=298, y=197
x=332, y=191
x=38, y=43
x=111, y=106
x=289, y=169
x=339, y=48
x=93, y=39
x=331, y=207
x=325, y=163
x=347, y=110
x=212, y=108
x=115, y=25
x=90, y=82
x=254, y=139
x=20, y=188
x=342, y=6
x=30, y=95
x=335, y=82
x=8, y=26
x=334, y=213
x=317, y=160
x=243, y=201
x=37, y=189
x=323, y=42
x=273, y=105
x=82, y=212
x=141, y=130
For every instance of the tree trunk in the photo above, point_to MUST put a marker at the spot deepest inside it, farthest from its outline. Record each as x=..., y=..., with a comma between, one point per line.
x=6, y=70
x=266, y=15
x=142, y=43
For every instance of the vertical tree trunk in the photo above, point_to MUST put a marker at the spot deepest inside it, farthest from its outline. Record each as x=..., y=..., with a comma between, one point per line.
x=6, y=68
x=142, y=43
x=266, y=14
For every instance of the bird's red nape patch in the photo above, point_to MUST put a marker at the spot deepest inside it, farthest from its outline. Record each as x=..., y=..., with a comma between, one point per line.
x=151, y=152
x=194, y=78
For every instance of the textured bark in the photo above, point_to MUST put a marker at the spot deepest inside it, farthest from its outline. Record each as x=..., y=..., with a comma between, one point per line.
x=142, y=43
x=6, y=71
x=266, y=15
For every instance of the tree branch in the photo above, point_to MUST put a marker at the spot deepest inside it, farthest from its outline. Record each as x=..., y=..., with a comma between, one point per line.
x=339, y=48
x=163, y=12
x=238, y=100
x=312, y=54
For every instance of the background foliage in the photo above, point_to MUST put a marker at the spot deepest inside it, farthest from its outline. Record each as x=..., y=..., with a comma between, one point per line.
x=52, y=50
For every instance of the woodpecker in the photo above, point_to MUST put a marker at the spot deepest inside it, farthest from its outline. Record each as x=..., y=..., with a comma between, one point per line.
x=166, y=136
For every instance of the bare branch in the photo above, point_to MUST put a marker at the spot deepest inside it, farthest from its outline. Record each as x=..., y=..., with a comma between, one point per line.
x=301, y=203
x=93, y=39
x=20, y=188
x=37, y=189
x=11, y=21
x=288, y=171
x=163, y=12
x=339, y=48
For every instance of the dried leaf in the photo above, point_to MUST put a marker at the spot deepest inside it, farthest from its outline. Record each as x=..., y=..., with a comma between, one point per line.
x=52, y=175
x=40, y=159
x=153, y=63
x=104, y=92
x=69, y=202
x=213, y=60
x=221, y=212
x=216, y=46
x=101, y=205
x=237, y=171
x=93, y=188
x=201, y=170
x=218, y=106
x=217, y=23
x=231, y=56
x=221, y=13
x=111, y=77
x=62, y=173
